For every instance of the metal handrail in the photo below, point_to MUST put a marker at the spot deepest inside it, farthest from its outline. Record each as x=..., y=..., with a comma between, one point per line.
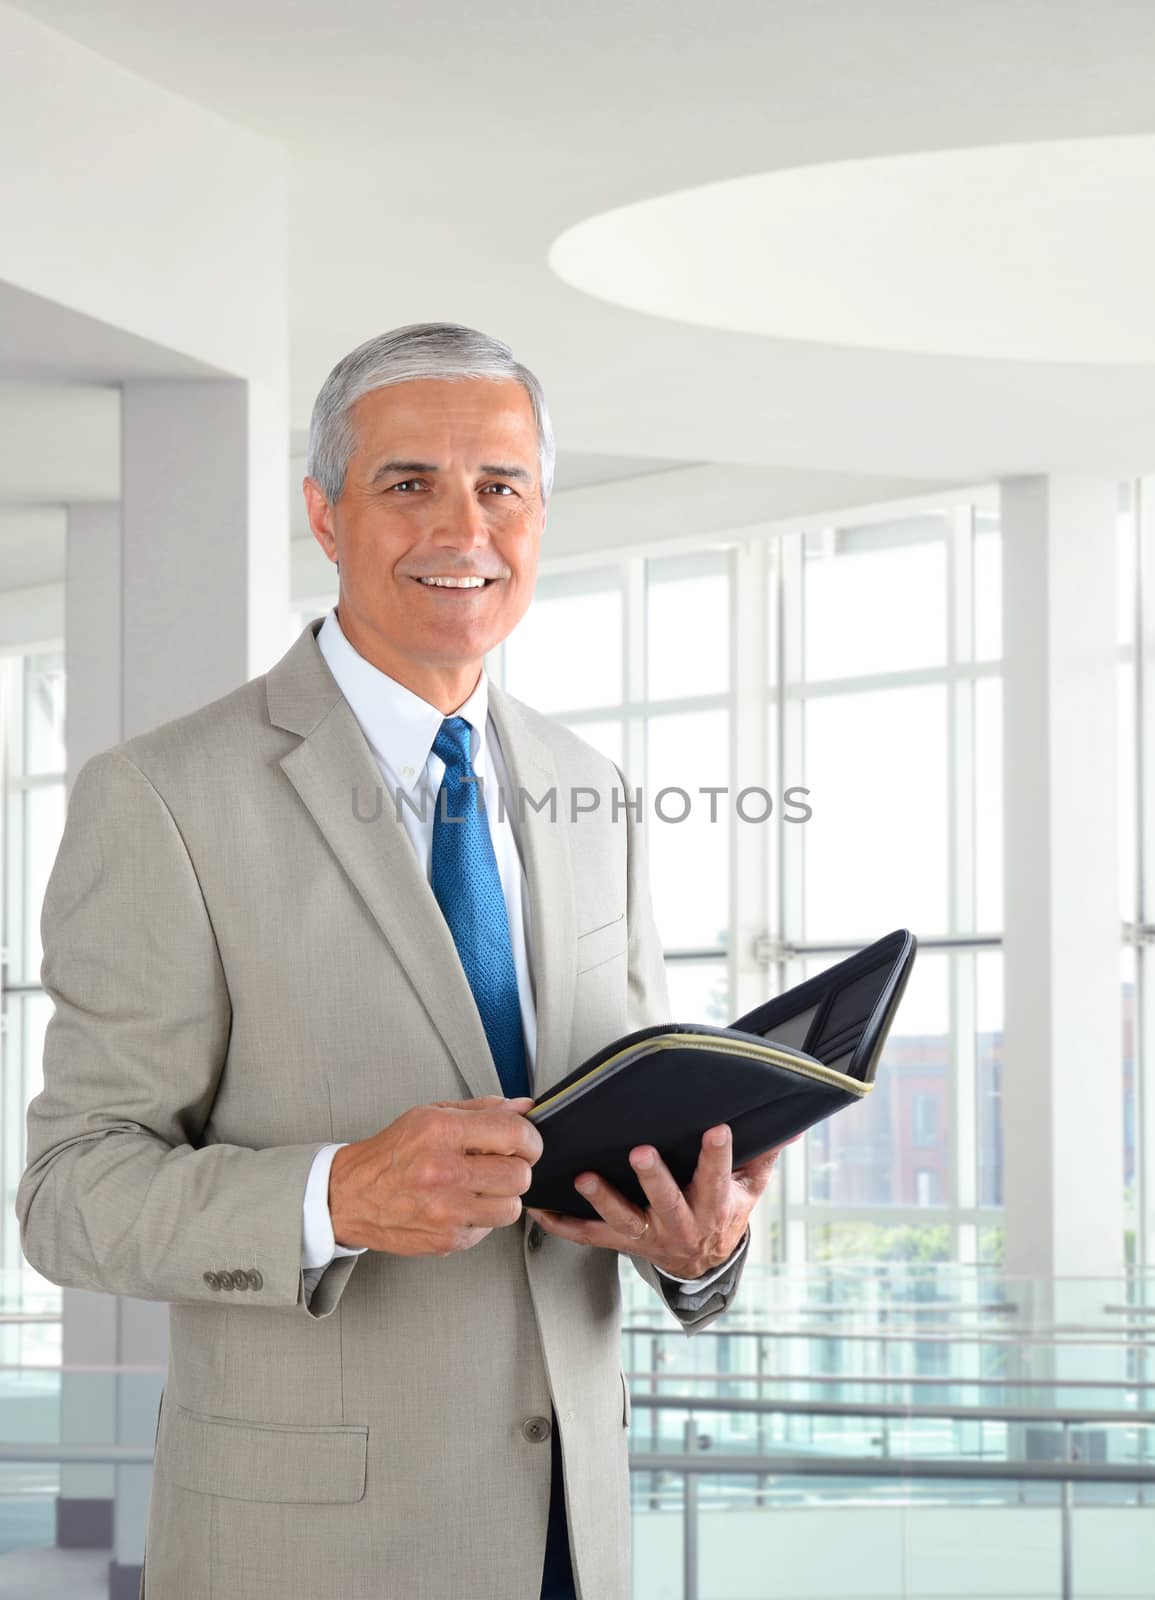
x=824, y=1379
x=710, y=1464
x=1011, y=1339
x=117, y=1367
x=1002, y=1308
x=1059, y=1416
x=95, y=1455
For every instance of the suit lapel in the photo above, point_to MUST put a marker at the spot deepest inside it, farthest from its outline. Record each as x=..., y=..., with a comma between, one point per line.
x=546, y=860
x=337, y=780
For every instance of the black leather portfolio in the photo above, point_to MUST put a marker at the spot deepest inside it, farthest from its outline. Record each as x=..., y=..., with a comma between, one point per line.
x=773, y=1073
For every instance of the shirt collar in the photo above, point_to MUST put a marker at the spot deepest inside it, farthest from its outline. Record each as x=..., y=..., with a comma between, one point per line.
x=400, y=726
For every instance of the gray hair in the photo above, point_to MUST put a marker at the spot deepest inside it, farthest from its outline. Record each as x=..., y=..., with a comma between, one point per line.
x=419, y=350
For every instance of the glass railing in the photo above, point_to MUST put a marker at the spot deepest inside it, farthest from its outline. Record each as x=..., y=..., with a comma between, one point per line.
x=896, y=1433
x=867, y=1434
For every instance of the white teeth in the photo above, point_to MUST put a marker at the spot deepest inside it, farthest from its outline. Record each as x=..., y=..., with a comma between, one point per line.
x=455, y=583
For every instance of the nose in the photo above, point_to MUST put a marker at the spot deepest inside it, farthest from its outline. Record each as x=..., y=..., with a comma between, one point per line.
x=461, y=525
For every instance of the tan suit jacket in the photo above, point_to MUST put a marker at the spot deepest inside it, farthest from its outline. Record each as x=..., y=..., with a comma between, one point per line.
x=243, y=971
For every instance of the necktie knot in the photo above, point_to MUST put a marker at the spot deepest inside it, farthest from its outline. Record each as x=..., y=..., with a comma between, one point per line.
x=452, y=744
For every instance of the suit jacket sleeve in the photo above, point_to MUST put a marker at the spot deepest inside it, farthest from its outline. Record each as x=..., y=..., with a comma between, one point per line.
x=125, y=1190
x=648, y=1002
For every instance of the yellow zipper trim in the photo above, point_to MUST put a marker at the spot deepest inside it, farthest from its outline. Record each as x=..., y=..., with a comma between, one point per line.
x=697, y=1041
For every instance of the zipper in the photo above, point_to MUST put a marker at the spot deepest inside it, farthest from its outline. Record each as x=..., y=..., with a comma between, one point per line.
x=696, y=1041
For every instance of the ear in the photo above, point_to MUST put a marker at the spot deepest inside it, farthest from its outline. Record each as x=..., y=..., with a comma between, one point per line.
x=320, y=514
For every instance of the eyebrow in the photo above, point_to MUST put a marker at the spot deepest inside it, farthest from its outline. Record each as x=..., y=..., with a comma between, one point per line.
x=388, y=468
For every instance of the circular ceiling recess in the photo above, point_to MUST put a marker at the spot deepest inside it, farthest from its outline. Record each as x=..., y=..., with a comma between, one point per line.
x=1032, y=252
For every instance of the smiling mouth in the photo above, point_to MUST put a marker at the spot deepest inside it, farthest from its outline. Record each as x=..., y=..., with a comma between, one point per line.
x=473, y=584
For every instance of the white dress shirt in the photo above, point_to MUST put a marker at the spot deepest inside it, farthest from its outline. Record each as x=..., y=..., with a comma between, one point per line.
x=400, y=728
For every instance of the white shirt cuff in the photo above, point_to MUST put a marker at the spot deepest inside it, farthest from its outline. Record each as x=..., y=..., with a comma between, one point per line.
x=708, y=1278
x=318, y=1246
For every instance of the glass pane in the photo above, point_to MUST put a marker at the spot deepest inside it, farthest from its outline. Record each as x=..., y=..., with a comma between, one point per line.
x=988, y=801
x=894, y=1147
x=1126, y=736
x=566, y=652
x=875, y=609
x=988, y=587
x=689, y=859
x=875, y=849
x=44, y=714
x=1125, y=587
x=604, y=736
x=872, y=1241
x=989, y=1075
x=26, y=1018
x=1129, y=985
x=699, y=992
x=992, y=1247
x=44, y=809
x=687, y=626
x=775, y=844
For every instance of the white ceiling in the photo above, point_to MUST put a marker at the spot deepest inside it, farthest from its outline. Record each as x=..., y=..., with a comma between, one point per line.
x=1032, y=252
x=438, y=152
x=42, y=342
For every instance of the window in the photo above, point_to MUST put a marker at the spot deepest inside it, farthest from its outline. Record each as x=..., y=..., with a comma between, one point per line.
x=925, y=1109
x=605, y=649
x=885, y=695
x=871, y=649
x=1136, y=611
x=32, y=803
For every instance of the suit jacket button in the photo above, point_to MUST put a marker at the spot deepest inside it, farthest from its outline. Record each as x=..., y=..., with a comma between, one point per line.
x=227, y=1280
x=533, y=1237
x=240, y=1279
x=536, y=1429
x=255, y=1279
x=212, y=1280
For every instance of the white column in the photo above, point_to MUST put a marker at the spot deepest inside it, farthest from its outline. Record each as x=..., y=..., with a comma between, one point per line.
x=206, y=550
x=93, y=628
x=90, y=1322
x=1062, y=1078
x=173, y=598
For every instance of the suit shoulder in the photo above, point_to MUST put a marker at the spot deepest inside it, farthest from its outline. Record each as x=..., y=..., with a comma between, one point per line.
x=220, y=736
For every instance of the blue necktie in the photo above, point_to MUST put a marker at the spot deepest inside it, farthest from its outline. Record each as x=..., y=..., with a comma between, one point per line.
x=468, y=888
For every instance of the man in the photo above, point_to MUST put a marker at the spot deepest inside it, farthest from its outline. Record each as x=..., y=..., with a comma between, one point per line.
x=295, y=1036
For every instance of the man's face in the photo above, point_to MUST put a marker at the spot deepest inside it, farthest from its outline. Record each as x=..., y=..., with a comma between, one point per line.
x=444, y=481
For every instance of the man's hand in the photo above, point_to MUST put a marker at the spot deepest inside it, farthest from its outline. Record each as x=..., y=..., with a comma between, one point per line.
x=438, y=1179
x=689, y=1233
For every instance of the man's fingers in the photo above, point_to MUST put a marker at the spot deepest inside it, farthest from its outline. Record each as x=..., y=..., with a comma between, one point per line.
x=617, y=1213
x=709, y=1188
x=554, y=1222
x=659, y=1185
x=496, y=1128
x=755, y=1175
x=490, y=1174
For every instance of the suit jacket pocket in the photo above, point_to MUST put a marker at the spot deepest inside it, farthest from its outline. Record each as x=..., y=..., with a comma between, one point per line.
x=262, y=1460
x=602, y=943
